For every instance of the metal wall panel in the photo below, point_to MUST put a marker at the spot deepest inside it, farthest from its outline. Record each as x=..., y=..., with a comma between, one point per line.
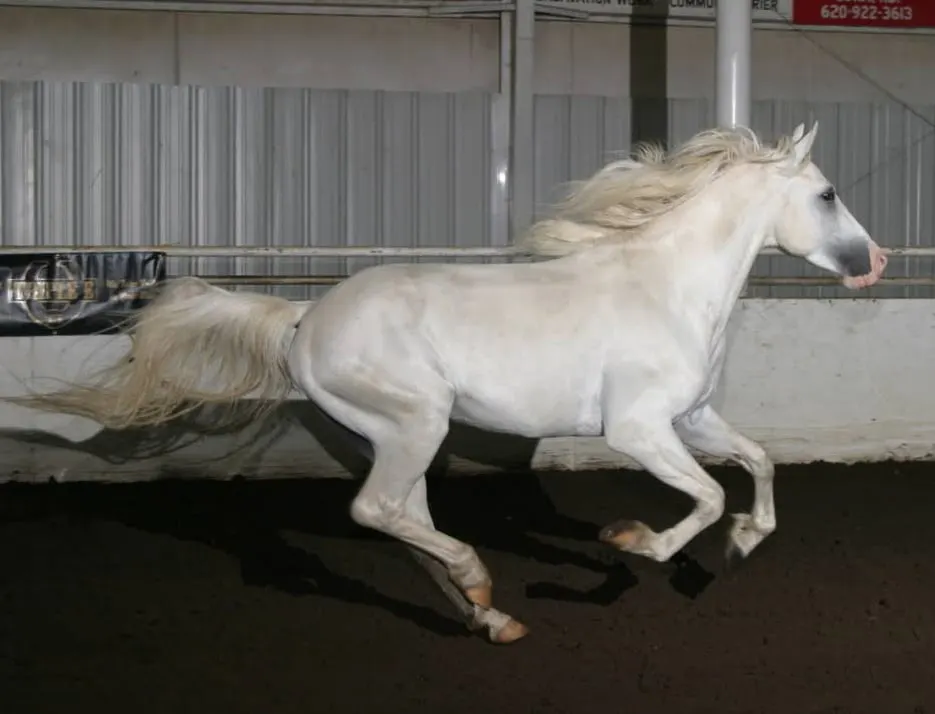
x=121, y=164
x=880, y=156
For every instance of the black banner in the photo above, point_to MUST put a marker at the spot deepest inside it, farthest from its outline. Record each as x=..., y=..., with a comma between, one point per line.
x=75, y=293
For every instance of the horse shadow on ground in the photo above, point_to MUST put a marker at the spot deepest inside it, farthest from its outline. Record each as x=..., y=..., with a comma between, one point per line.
x=247, y=519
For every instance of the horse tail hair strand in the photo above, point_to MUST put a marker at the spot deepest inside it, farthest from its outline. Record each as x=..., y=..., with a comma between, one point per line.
x=194, y=345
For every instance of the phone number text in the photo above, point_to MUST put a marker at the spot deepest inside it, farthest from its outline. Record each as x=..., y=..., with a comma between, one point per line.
x=868, y=12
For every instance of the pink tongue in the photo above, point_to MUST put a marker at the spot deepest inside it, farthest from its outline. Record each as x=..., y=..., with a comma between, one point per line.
x=878, y=261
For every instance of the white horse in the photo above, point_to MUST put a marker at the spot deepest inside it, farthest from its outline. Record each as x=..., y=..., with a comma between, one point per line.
x=621, y=334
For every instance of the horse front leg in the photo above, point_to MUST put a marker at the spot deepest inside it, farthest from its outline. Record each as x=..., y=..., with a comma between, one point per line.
x=650, y=439
x=706, y=431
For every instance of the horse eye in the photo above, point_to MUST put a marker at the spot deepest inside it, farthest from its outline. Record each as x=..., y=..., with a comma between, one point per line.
x=827, y=195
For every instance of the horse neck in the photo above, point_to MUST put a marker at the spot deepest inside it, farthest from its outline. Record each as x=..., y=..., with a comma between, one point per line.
x=715, y=238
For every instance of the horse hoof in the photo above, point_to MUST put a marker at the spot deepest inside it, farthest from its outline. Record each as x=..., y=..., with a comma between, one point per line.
x=742, y=538
x=509, y=633
x=734, y=557
x=624, y=534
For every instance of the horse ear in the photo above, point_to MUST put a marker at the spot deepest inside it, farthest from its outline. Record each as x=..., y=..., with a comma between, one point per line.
x=798, y=133
x=803, y=145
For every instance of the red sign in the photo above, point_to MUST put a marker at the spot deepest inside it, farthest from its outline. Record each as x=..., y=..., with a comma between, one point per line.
x=865, y=13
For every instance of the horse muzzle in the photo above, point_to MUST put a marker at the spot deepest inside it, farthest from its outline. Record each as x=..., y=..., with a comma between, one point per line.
x=862, y=264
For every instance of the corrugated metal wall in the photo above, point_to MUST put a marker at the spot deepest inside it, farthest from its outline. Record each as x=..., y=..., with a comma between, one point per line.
x=119, y=164
x=880, y=156
x=86, y=164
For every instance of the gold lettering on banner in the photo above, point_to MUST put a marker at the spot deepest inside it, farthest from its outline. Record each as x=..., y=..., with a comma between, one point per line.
x=52, y=294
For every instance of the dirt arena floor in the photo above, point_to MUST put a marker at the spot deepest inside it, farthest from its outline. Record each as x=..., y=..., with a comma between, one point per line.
x=263, y=598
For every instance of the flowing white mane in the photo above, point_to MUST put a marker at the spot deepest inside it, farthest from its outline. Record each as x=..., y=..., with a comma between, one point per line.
x=624, y=196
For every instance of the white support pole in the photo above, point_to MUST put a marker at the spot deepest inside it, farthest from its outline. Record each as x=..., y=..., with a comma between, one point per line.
x=522, y=142
x=733, y=59
x=501, y=119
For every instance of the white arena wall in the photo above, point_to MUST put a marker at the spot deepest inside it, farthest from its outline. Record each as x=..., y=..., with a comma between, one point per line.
x=812, y=380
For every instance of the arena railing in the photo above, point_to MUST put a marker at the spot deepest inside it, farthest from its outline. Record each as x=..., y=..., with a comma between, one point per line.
x=177, y=251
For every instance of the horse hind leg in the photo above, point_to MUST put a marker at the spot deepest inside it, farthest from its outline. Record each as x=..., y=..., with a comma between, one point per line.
x=386, y=503
x=474, y=616
x=417, y=507
x=404, y=416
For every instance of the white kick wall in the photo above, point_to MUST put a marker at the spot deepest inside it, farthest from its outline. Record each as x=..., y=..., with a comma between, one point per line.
x=832, y=380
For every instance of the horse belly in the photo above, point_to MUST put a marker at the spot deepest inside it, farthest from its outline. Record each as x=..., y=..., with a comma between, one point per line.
x=535, y=411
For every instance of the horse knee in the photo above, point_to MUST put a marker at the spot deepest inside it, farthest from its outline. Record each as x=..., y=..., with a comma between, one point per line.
x=712, y=502
x=760, y=465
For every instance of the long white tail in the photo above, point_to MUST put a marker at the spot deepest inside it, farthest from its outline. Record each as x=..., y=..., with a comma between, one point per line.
x=194, y=345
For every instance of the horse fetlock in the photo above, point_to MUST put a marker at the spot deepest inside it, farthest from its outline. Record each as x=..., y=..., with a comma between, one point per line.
x=766, y=526
x=746, y=534
x=501, y=628
x=746, y=522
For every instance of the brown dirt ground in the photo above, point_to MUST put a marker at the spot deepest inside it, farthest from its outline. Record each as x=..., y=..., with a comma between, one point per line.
x=263, y=598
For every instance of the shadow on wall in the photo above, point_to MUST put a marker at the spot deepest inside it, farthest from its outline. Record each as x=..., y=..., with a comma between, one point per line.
x=238, y=449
